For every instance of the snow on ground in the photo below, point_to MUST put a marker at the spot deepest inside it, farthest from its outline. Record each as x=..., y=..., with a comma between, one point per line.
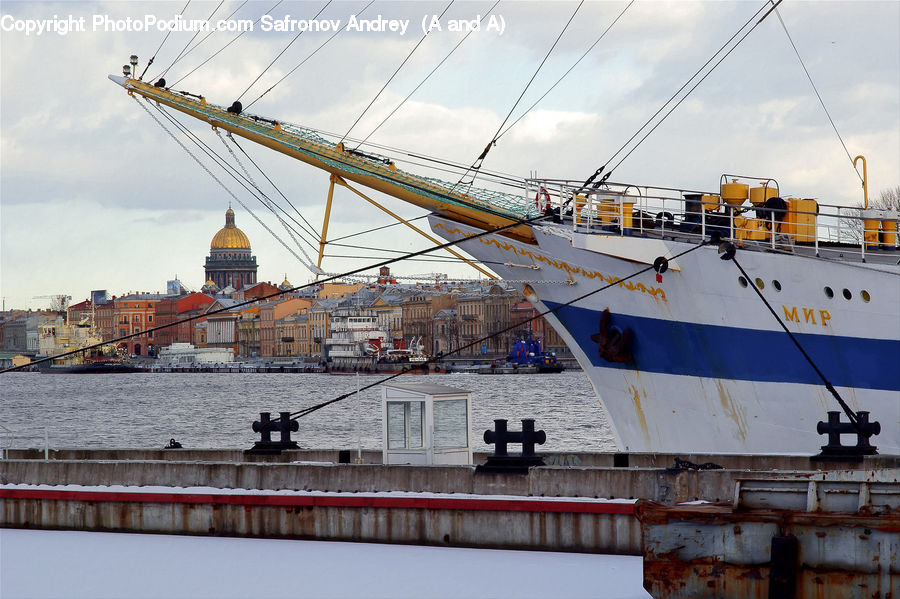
x=68, y=564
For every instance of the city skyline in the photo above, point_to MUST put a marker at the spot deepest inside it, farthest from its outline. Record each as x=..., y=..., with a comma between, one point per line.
x=93, y=195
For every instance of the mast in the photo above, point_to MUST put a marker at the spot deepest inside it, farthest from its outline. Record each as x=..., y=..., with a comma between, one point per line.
x=485, y=209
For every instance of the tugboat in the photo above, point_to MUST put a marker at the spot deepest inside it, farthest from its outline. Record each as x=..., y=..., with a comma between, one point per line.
x=526, y=357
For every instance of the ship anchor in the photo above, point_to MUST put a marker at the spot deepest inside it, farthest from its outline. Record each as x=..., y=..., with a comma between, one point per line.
x=613, y=343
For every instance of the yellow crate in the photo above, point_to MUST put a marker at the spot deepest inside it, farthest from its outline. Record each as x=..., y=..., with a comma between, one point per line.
x=800, y=221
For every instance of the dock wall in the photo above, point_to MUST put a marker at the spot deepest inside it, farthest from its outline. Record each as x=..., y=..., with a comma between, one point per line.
x=472, y=521
x=584, y=459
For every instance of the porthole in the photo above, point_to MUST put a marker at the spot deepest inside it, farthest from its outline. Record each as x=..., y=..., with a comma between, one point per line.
x=847, y=294
x=865, y=296
x=829, y=293
x=742, y=281
x=759, y=283
x=776, y=285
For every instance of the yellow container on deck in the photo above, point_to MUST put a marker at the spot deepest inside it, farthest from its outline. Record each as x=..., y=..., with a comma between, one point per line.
x=734, y=193
x=627, y=212
x=607, y=210
x=710, y=203
x=889, y=229
x=753, y=229
x=759, y=195
x=800, y=220
x=871, y=228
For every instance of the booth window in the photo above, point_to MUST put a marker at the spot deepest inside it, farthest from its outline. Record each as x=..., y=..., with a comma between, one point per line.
x=450, y=426
x=405, y=424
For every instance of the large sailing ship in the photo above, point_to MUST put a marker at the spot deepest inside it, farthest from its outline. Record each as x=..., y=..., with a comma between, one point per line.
x=729, y=319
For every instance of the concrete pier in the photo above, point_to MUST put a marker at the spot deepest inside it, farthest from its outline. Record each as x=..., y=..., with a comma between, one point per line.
x=309, y=494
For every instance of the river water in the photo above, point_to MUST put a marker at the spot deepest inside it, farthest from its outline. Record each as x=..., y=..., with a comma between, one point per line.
x=216, y=410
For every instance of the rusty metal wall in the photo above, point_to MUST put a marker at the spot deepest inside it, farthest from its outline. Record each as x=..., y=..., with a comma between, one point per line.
x=546, y=531
x=714, y=551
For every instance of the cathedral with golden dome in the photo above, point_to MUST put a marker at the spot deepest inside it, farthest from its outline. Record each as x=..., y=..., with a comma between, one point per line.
x=229, y=262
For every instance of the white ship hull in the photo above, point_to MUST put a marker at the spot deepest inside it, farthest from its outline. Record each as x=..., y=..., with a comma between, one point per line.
x=712, y=369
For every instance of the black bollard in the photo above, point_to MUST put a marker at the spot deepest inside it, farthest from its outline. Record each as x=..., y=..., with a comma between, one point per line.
x=265, y=426
x=834, y=428
x=500, y=462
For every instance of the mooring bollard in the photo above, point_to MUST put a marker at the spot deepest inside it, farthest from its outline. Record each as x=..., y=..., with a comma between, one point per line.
x=500, y=462
x=265, y=426
x=834, y=428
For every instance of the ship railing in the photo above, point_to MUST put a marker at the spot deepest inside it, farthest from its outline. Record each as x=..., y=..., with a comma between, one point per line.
x=9, y=436
x=628, y=210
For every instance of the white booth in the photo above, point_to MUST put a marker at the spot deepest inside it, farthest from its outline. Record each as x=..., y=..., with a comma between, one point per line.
x=426, y=424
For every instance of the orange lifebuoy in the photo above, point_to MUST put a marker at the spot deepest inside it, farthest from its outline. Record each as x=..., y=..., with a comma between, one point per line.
x=537, y=200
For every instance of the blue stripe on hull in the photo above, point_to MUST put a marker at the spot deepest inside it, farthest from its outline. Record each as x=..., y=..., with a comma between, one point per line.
x=691, y=349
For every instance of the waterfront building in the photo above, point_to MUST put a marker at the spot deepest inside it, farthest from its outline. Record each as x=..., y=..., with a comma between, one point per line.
x=134, y=314
x=230, y=262
x=445, y=331
x=336, y=289
x=388, y=309
x=418, y=311
x=291, y=335
x=81, y=313
x=175, y=310
x=22, y=330
x=199, y=333
x=13, y=331
x=271, y=312
x=260, y=290
x=221, y=328
x=319, y=324
x=247, y=332
x=105, y=314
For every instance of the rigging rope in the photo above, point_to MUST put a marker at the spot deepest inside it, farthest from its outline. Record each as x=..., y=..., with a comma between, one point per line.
x=558, y=81
x=394, y=74
x=265, y=199
x=818, y=95
x=686, y=83
x=296, y=37
x=152, y=58
x=234, y=39
x=306, y=411
x=313, y=53
x=208, y=35
x=409, y=220
x=219, y=181
x=476, y=166
x=310, y=230
x=231, y=171
x=421, y=83
x=196, y=33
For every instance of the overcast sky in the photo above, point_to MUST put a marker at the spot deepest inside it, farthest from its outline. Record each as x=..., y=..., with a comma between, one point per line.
x=94, y=195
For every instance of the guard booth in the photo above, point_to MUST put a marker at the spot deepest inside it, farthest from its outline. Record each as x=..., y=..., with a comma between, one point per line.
x=425, y=424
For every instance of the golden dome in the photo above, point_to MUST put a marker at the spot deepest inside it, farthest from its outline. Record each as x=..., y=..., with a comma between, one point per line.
x=229, y=237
